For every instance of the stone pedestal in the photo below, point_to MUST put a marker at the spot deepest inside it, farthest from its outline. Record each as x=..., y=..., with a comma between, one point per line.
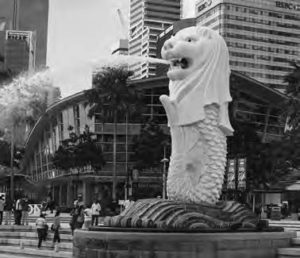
x=117, y=244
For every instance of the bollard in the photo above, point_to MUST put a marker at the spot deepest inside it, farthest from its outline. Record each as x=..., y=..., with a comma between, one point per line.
x=21, y=244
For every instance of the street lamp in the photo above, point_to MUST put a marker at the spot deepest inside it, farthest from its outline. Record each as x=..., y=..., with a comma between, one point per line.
x=12, y=142
x=164, y=161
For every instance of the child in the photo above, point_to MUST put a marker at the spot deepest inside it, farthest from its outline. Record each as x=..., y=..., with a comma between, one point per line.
x=56, y=227
x=87, y=218
x=96, y=208
x=41, y=229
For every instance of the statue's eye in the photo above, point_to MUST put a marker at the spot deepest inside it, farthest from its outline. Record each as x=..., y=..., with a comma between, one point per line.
x=191, y=39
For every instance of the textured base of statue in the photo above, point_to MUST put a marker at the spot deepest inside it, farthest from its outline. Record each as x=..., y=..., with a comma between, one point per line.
x=178, y=216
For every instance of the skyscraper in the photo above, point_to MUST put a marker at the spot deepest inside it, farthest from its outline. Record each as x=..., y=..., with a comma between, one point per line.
x=19, y=54
x=262, y=36
x=26, y=15
x=148, y=18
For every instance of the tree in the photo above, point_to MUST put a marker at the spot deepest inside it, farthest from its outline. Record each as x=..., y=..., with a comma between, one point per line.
x=266, y=162
x=79, y=151
x=113, y=100
x=17, y=96
x=149, y=146
x=292, y=106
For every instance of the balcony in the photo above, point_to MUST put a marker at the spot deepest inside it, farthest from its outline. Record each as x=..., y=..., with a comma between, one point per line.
x=108, y=128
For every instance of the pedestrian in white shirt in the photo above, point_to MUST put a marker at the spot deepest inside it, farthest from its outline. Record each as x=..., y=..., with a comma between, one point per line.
x=96, y=208
x=87, y=218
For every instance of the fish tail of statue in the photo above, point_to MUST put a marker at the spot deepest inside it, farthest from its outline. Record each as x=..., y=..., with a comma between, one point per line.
x=198, y=159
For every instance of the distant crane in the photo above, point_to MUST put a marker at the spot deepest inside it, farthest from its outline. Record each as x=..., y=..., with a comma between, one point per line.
x=123, y=24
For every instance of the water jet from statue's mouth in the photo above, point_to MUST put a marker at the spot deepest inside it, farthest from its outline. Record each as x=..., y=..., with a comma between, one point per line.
x=182, y=63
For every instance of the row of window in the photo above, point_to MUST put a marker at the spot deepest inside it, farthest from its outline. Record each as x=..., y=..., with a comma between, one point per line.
x=264, y=75
x=262, y=12
x=262, y=48
x=250, y=18
x=260, y=39
x=261, y=30
x=258, y=65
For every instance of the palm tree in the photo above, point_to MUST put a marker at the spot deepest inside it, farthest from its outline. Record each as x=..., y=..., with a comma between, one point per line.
x=113, y=100
x=292, y=107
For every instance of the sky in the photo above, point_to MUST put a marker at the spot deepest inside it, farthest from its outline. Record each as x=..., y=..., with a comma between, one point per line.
x=80, y=31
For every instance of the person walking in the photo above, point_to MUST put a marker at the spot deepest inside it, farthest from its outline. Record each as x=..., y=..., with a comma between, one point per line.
x=1, y=208
x=96, y=208
x=18, y=212
x=25, y=209
x=41, y=225
x=8, y=207
x=55, y=228
x=77, y=215
x=87, y=218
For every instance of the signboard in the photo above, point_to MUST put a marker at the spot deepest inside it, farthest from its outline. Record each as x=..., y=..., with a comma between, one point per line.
x=290, y=6
x=204, y=5
x=241, y=167
x=231, y=164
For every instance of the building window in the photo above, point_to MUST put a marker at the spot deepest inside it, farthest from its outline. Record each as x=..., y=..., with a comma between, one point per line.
x=60, y=124
x=76, y=119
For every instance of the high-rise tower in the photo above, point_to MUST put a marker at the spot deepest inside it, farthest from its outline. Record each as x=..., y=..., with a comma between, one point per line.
x=262, y=36
x=148, y=18
x=19, y=55
x=26, y=16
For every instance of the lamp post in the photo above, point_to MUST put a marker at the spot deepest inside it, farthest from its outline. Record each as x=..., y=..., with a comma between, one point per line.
x=12, y=190
x=164, y=176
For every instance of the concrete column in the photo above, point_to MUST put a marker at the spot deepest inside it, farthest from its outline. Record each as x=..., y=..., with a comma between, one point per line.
x=69, y=194
x=84, y=192
x=60, y=195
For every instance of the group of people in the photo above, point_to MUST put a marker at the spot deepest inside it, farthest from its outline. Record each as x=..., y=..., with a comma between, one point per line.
x=20, y=208
x=83, y=217
x=42, y=228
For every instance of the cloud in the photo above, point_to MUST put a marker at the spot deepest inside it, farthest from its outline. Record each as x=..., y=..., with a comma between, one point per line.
x=80, y=31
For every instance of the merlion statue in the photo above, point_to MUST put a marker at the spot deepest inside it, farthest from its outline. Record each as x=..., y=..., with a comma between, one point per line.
x=197, y=111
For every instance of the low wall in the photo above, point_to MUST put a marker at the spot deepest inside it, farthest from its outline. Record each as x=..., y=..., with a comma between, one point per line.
x=120, y=244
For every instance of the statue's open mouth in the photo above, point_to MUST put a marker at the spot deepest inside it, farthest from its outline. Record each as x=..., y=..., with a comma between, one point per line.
x=179, y=62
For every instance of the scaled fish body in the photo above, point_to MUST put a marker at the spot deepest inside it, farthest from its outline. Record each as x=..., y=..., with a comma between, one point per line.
x=198, y=158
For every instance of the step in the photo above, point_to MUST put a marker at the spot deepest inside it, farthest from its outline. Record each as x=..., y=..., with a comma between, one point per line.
x=33, y=252
x=288, y=252
x=11, y=256
x=296, y=242
x=20, y=228
x=32, y=243
x=15, y=234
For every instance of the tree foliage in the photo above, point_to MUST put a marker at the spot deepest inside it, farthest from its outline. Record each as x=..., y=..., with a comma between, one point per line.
x=78, y=152
x=149, y=146
x=5, y=154
x=111, y=97
x=268, y=163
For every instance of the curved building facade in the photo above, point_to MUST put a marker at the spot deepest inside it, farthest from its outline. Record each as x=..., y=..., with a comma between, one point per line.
x=257, y=104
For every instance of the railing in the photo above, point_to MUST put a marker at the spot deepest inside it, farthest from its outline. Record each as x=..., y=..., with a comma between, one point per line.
x=121, y=128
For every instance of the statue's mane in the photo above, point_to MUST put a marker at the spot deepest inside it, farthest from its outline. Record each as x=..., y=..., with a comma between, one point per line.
x=208, y=84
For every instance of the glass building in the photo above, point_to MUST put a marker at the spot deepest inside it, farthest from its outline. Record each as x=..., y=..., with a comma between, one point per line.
x=148, y=18
x=263, y=36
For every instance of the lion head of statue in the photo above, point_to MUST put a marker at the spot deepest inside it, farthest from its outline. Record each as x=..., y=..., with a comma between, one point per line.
x=199, y=73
